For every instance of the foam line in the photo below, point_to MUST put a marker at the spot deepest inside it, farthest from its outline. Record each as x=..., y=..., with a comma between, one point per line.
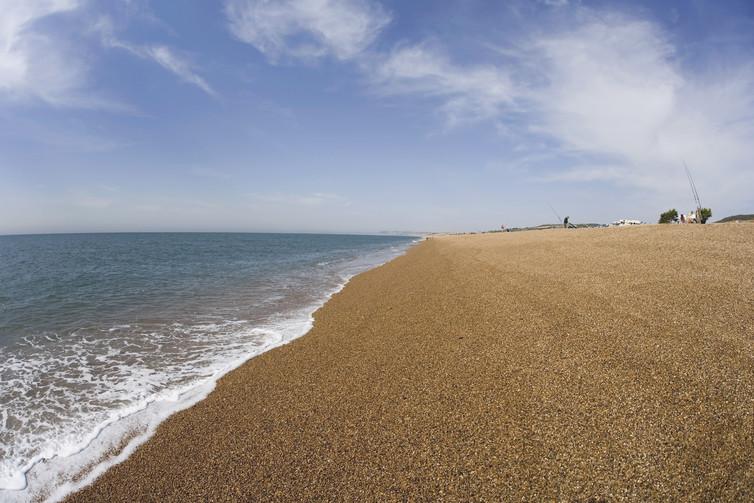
x=55, y=473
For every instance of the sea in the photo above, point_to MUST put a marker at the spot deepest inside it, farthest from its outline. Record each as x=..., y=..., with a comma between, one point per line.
x=103, y=336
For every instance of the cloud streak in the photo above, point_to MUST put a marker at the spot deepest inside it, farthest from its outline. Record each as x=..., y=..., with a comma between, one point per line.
x=307, y=29
x=468, y=93
x=36, y=65
x=163, y=55
x=178, y=65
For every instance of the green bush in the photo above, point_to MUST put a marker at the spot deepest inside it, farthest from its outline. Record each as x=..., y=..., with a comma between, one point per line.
x=668, y=216
x=705, y=215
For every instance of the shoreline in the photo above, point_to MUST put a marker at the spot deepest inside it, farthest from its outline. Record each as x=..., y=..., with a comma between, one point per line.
x=561, y=364
x=114, y=441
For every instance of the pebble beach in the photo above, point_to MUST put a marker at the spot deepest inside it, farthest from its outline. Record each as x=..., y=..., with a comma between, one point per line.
x=559, y=365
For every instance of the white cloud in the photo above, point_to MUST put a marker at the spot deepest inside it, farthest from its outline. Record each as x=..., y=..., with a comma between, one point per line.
x=468, y=93
x=605, y=92
x=307, y=29
x=40, y=62
x=616, y=89
x=35, y=64
x=608, y=84
x=165, y=57
x=555, y=3
x=160, y=54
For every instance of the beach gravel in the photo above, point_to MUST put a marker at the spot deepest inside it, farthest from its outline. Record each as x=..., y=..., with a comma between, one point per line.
x=562, y=365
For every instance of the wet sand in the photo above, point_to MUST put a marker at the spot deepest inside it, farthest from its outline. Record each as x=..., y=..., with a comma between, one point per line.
x=602, y=364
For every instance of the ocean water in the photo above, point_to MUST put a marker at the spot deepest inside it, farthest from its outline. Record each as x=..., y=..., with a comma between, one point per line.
x=102, y=336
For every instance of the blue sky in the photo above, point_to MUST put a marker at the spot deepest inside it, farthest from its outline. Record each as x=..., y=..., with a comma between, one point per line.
x=366, y=115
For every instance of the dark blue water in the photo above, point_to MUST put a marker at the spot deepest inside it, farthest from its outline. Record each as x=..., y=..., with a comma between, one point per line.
x=103, y=332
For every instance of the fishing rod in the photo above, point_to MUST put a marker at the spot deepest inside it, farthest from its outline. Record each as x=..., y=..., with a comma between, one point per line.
x=693, y=186
x=555, y=212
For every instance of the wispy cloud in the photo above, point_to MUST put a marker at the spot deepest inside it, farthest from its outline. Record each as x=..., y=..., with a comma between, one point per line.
x=468, y=93
x=307, y=29
x=613, y=87
x=34, y=64
x=605, y=91
x=168, y=59
x=163, y=55
x=555, y=3
x=41, y=62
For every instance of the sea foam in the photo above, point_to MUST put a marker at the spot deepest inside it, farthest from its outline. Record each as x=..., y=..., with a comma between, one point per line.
x=100, y=392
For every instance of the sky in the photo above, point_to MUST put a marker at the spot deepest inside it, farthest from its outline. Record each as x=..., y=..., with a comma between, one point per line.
x=369, y=116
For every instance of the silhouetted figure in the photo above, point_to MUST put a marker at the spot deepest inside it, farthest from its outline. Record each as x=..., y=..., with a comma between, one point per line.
x=565, y=222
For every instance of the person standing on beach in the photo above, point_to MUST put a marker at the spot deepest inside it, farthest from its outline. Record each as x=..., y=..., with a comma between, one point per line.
x=565, y=222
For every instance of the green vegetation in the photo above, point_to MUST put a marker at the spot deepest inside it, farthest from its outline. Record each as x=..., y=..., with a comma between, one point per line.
x=669, y=216
x=733, y=218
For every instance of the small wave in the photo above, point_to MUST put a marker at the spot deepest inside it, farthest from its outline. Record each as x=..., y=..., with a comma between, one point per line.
x=110, y=388
x=118, y=327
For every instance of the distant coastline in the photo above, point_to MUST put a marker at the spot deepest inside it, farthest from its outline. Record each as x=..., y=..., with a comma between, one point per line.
x=736, y=218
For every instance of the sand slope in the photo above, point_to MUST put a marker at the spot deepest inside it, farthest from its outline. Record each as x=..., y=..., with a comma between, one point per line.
x=611, y=364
